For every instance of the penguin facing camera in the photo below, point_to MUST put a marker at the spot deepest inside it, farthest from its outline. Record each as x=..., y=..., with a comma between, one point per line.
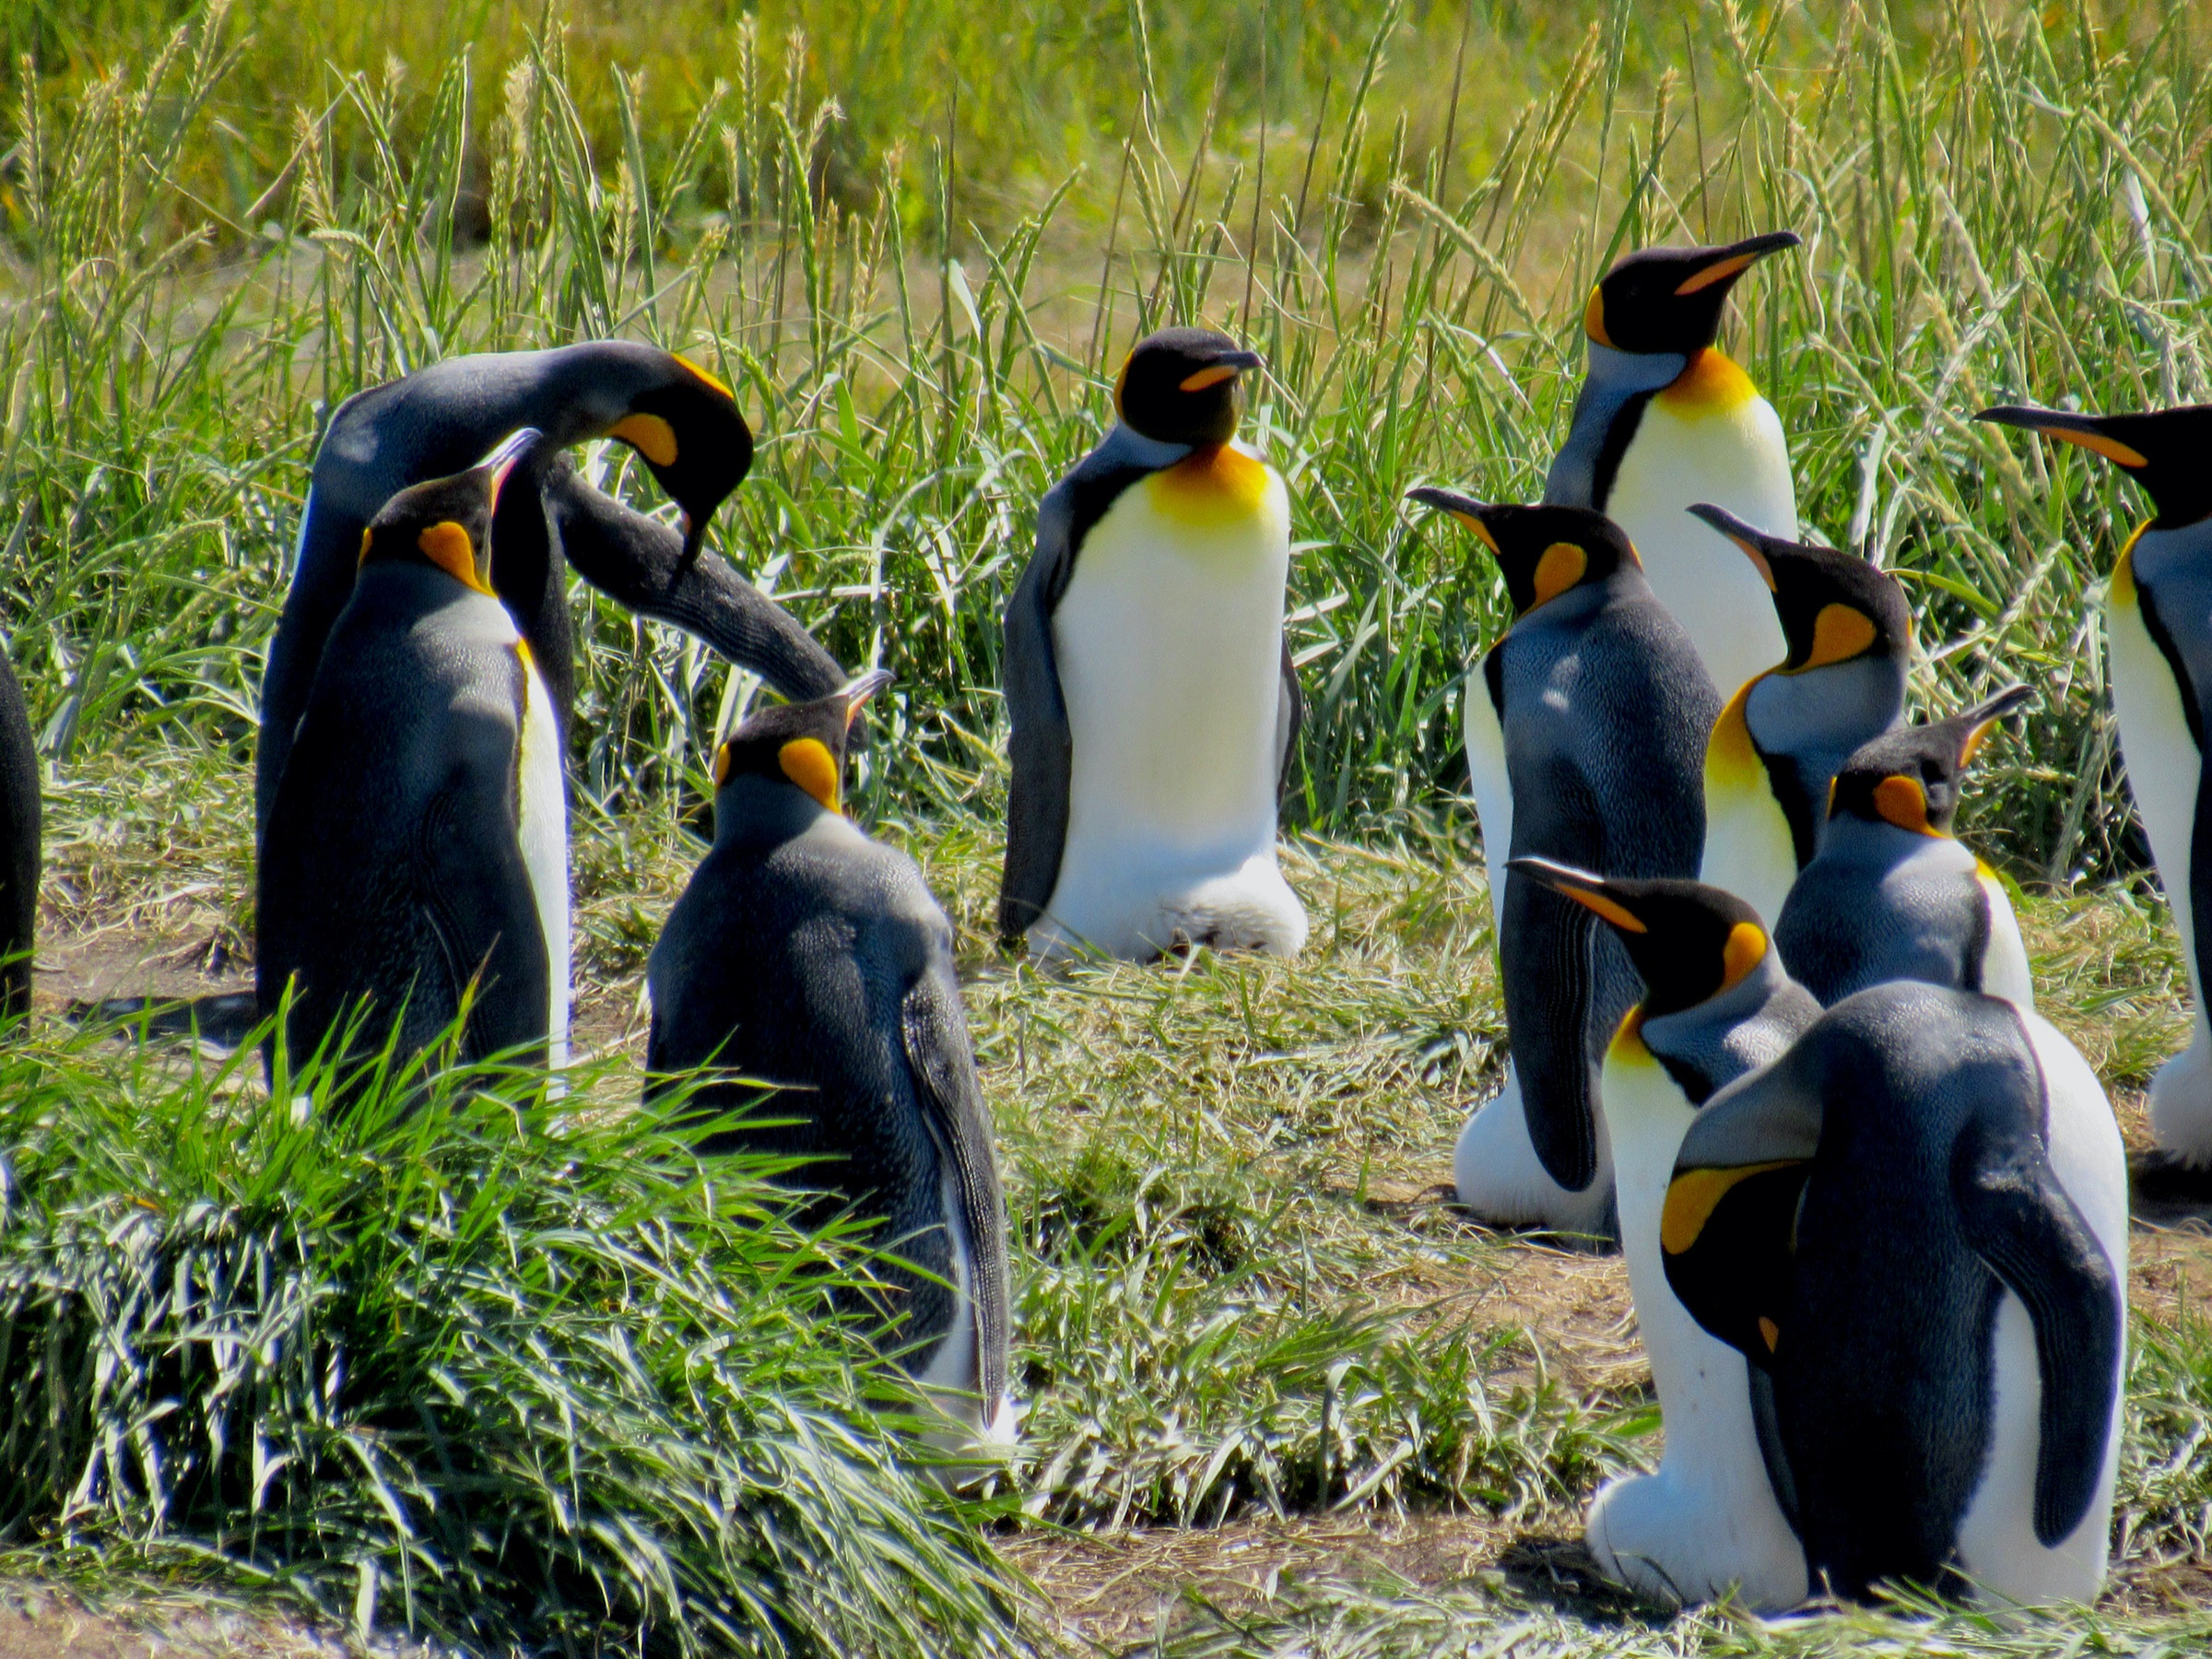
x=682, y=423
x=1914, y=1225
x=1585, y=725
x=804, y=954
x=1155, y=709
x=1892, y=894
x=1776, y=747
x=1716, y=1006
x=2158, y=629
x=415, y=858
x=21, y=817
x=1665, y=418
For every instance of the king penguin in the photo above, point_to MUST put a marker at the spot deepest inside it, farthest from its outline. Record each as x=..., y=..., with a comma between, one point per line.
x=1665, y=418
x=682, y=423
x=1716, y=1006
x=2158, y=630
x=1914, y=1225
x=1891, y=893
x=415, y=859
x=1585, y=725
x=1775, y=748
x=1153, y=701
x=20, y=848
x=805, y=954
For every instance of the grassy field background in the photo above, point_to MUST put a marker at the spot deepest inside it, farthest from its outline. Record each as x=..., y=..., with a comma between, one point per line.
x=917, y=238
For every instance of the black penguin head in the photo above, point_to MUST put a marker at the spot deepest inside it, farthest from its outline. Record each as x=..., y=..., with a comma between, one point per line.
x=1544, y=551
x=2169, y=452
x=803, y=744
x=1179, y=386
x=1833, y=608
x=1689, y=941
x=1669, y=300
x=447, y=522
x=686, y=426
x=1910, y=777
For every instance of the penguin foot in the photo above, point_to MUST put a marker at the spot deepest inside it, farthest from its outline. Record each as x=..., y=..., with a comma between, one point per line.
x=2169, y=1189
x=225, y=1020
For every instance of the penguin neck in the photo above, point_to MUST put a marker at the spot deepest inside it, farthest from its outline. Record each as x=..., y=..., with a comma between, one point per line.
x=1126, y=446
x=2163, y=553
x=1822, y=714
x=1745, y=1025
x=1615, y=387
x=1876, y=843
x=754, y=812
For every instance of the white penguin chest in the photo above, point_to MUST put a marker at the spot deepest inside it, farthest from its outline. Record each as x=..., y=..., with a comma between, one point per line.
x=1708, y=438
x=1168, y=640
x=2163, y=764
x=543, y=830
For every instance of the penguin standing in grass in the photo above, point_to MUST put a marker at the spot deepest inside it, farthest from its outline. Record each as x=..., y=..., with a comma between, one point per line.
x=1664, y=419
x=20, y=847
x=1716, y=1006
x=807, y=957
x=1915, y=1226
x=1775, y=748
x=1586, y=725
x=682, y=423
x=2158, y=629
x=1892, y=894
x=415, y=859
x=1154, y=704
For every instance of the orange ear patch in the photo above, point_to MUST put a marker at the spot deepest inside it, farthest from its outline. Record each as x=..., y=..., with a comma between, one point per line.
x=1560, y=568
x=722, y=766
x=648, y=434
x=448, y=546
x=369, y=535
x=1901, y=800
x=2112, y=449
x=1593, y=316
x=807, y=762
x=1746, y=947
x=1691, y=1198
x=1712, y=384
x=1840, y=633
x=1720, y=270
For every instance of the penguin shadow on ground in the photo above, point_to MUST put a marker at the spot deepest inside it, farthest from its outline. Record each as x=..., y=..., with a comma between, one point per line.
x=1557, y=1570
x=2166, y=1192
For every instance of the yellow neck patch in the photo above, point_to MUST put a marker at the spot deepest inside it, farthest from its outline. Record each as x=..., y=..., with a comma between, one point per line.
x=1901, y=800
x=648, y=434
x=2123, y=590
x=807, y=762
x=1692, y=1197
x=447, y=546
x=1840, y=633
x=1712, y=384
x=1216, y=485
x=1731, y=758
x=1628, y=1047
x=1560, y=568
x=1747, y=946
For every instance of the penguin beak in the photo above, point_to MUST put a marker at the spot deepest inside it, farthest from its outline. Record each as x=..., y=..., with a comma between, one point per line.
x=2088, y=431
x=1745, y=536
x=1465, y=507
x=501, y=460
x=1725, y=264
x=1592, y=892
x=1227, y=366
x=1979, y=720
x=861, y=689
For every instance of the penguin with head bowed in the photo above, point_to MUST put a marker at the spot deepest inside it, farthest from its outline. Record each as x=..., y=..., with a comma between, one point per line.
x=1586, y=724
x=682, y=423
x=806, y=955
x=21, y=815
x=1891, y=893
x=1775, y=748
x=1664, y=419
x=1153, y=702
x=1716, y=1006
x=1914, y=1225
x=415, y=864
x=2158, y=628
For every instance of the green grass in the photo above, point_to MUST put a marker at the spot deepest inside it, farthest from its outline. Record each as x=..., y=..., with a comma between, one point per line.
x=1232, y=1300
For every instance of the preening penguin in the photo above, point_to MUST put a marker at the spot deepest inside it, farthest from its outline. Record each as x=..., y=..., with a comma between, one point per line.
x=805, y=954
x=1892, y=894
x=682, y=423
x=1781, y=737
x=1915, y=1224
x=1586, y=723
x=20, y=816
x=2158, y=629
x=1153, y=701
x=1716, y=1006
x=1664, y=419
x=416, y=856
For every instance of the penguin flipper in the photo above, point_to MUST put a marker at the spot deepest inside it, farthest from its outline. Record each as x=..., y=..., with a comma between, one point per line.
x=1040, y=746
x=640, y=563
x=2023, y=1224
x=1289, y=721
x=933, y=1031
x=475, y=888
